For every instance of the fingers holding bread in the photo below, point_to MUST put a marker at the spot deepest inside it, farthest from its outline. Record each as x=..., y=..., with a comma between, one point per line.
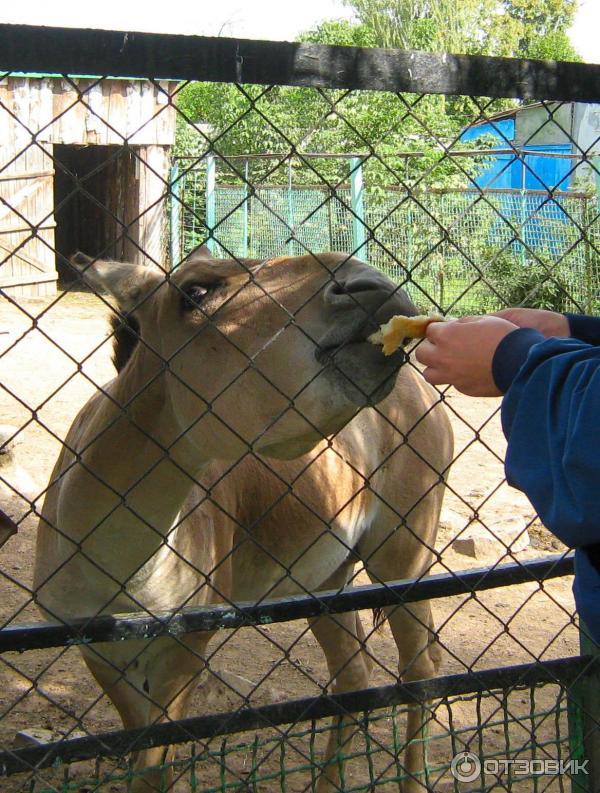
x=393, y=334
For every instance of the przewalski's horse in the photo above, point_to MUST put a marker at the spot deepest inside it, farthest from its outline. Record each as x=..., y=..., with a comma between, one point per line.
x=156, y=502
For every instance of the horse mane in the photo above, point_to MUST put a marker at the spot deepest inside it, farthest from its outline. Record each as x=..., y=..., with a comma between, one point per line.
x=126, y=333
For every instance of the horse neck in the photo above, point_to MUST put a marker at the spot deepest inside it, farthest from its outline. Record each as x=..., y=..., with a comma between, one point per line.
x=134, y=471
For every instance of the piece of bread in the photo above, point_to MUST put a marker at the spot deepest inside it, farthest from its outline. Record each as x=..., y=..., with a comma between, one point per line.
x=392, y=334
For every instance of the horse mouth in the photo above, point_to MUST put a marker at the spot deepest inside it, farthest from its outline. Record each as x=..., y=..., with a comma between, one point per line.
x=353, y=341
x=326, y=353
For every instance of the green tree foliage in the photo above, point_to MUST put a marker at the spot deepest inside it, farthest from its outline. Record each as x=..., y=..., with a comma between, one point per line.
x=519, y=28
x=438, y=26
x=342, y=33
x=234, y=120
x=252, y=120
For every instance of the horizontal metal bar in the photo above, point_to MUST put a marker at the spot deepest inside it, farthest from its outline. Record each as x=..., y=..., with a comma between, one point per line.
x=111, y=628
x=273, y=155
x=285, y=186
x=484, y=191
x=26, y=48
x=562, y=671
x=418, y=191
x=517, y=151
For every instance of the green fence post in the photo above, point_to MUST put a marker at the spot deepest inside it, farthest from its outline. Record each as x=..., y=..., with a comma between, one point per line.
x=330, y=243
x=290, y=210
x=523, y=213
x=593, y=237
x=175, y=219
x=211, y=172
x=359, y=236
x=409, y=219
x=245, y=217
x=588, y=218
x=584, y=723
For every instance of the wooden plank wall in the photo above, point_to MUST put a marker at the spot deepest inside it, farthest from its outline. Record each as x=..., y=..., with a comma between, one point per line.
x=153, y=169
x=26, y=197
x=85, y=112
x=38, y=112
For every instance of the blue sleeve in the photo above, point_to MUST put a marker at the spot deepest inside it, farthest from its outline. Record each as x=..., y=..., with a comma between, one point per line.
x=586, y=589
x=551, y=419
x=584, y=328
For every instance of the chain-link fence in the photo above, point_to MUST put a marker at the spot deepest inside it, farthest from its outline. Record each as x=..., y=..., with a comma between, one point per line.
x=235, y=457
x=504, y=230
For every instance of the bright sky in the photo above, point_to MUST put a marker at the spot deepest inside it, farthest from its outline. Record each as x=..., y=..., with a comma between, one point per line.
x=256, y=19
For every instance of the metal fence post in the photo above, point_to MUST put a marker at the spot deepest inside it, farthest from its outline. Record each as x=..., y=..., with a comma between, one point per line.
x=584, y=723
x=587, y=216
x=359, y=237
x=523, y=214
x=290, y=209
x=175, y=189
x=211, y=172
x=245, y=208
x=409, y=224
x=592, y=238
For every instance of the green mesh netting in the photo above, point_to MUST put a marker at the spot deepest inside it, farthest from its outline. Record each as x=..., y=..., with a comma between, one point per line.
x=456, y=250
x=522, y=724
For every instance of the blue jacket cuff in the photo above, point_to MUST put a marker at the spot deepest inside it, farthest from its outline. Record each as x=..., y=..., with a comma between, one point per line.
x=511, y=354
x=584, y=328
x=586, y=589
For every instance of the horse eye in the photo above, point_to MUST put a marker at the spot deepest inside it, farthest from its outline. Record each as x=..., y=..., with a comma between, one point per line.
x=192, y=296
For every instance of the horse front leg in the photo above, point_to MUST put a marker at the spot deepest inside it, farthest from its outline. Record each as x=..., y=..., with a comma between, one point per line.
x=149, y=682
x=418, y=659
x=342, y=639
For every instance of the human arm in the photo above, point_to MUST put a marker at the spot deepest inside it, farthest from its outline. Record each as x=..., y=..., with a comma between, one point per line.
x=551, y=323
x=460, y=352
x=550, y=412
x=463, y=352
x=551, y=420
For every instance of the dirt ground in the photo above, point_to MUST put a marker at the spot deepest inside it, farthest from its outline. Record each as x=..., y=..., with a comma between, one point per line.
x=43, y=386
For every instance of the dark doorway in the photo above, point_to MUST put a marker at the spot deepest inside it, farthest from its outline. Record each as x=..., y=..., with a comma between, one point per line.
x=95, y=192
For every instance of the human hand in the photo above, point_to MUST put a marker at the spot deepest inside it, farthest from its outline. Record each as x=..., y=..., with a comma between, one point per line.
x=550, y=323
x=460, y=352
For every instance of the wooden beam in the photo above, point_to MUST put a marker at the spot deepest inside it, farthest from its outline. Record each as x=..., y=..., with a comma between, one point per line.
x=27, y=229
x=150, y=55
x=30, y=260
x=9, y=177
x=26, y=279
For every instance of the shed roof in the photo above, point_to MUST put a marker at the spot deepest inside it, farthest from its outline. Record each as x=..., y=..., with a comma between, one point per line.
x=115, y=111
x=513, y=111
x=46, y=75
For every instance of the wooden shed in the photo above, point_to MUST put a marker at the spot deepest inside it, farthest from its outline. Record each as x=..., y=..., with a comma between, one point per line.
x=84, y=165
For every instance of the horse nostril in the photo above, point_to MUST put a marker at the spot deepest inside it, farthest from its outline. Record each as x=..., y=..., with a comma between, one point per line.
x=337, y=288
x=354, y=286
x=364, y=285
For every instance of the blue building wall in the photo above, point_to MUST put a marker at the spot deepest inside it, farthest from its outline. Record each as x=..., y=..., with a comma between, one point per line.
x=538, y=224
x=509, y=171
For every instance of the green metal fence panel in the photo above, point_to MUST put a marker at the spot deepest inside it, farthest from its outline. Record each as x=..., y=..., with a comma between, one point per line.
x=456, y=250
x=285, y=760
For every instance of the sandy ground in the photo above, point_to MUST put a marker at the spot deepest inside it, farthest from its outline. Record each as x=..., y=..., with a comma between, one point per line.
x=44, y=384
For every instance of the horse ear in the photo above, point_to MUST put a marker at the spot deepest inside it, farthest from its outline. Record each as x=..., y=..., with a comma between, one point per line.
x=127, y=283
x=201, y=252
